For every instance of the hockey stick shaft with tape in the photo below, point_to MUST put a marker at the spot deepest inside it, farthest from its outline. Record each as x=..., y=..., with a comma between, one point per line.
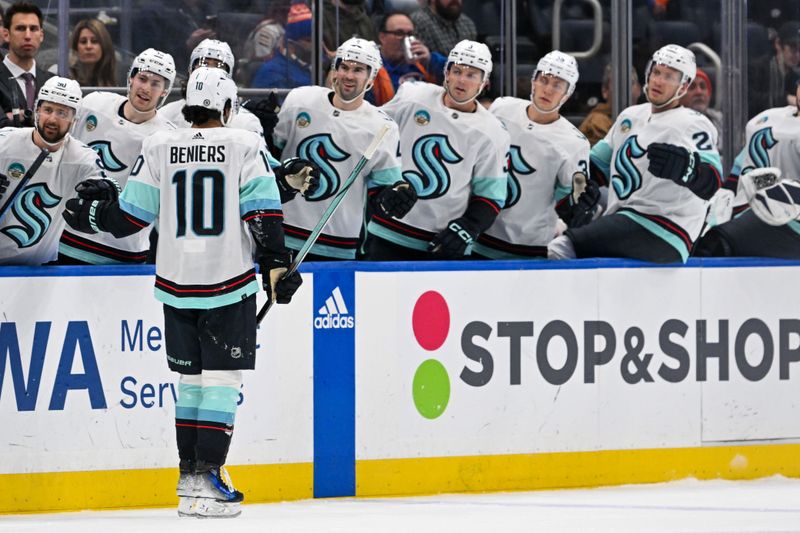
x=331, y=209
x=24, y=181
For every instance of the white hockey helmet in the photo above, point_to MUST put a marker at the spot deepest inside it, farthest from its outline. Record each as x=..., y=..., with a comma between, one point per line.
x=560, y=65
x=677, y=57
x=212, y=49
x=360, y=51
x=473, y=54
x=212, y=88
x=60, y=91
x=152, y=60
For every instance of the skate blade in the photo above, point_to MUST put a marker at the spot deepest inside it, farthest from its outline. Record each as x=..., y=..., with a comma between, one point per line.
x=210, y=508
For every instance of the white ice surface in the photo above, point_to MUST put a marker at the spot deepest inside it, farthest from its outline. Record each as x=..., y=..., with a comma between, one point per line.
x=767, y=505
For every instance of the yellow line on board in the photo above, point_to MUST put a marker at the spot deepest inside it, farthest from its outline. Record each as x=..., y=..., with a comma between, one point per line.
x=115, y=489
x=386, y=477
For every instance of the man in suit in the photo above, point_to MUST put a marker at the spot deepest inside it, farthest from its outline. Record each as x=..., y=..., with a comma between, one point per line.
x=20, y=77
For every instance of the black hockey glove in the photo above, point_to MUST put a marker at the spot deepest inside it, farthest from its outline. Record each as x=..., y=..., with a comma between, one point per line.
x=453, y=241
x=397, y=200
x=672, y=162
x=84, y=215
x=296, y=175
x=582, y=212
x=266, y=110
x=26, y=121
x=98, y=189
x=273, y=268
x=4, y=183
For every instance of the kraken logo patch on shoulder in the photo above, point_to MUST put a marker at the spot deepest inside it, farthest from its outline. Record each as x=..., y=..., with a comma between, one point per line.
x=16, y=170
x=91, y=123
x=303, y=120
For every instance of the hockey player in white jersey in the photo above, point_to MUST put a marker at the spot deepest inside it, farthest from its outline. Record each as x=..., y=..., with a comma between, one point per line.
x=30, y=228
x=547, y=155
x=214, y=54
x=332, y=128
x=454, y=155
x=115, y=126
x=662, y=165
x=216, y=202
x=772, y=141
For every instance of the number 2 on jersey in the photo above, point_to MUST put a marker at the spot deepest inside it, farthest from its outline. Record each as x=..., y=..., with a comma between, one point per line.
x=203, y=224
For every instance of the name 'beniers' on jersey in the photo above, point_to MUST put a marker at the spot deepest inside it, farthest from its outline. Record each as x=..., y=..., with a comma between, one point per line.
x=214, y=176
x=669, y=211
x=449, y=157
x=312, y=128
x=541, y=164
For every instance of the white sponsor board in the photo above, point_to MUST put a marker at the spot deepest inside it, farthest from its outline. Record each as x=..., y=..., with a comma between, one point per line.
x=545, y=395
x=104, y=397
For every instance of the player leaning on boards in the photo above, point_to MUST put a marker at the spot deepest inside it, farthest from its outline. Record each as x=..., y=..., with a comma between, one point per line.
x=548, y=163
x=32, y=224
x=115, y=126
x=772, y=231
x=454, y=155
x=332, y=128
x=204, y=270
x=662, y=165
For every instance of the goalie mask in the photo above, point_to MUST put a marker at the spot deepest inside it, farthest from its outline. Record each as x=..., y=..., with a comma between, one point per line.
x=212, y=49
x=676, y=57
x=212, y=88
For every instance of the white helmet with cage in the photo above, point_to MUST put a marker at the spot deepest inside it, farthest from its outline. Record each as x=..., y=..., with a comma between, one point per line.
x=677, y=57
x=152, y=60
x=60, y=91
x=360, y=51
x=473, y=54
x=212, y=88
x=212, y=49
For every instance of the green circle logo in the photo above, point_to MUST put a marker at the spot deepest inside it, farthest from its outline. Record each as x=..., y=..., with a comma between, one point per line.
x=430, y=322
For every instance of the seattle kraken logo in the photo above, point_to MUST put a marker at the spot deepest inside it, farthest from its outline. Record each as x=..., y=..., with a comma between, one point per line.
x=516, y=166
x=760, y=144
x=322, y=150
x=30, y=209
x=629, y=179
x=429, y=154
x=107, y=157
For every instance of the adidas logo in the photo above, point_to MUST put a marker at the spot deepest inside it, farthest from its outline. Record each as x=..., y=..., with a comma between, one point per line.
x=334, y=314
x=198, y=135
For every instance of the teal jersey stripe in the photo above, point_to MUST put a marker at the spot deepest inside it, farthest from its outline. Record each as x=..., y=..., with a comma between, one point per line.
x=189, y=397
x=561, y=191
x=397, y=238
x=140, y=200
x=211, y=302
x=212, y=415
x=385, y=176
x=494, y=189
x=794, y=226
x=321, y=249
x=219, y=399
x=491, y=253
x=87, y=257
x=670, y=238
x=736, y=169
x=271, y=161
x=259, y=193
x=600, y=155
x=711, y=158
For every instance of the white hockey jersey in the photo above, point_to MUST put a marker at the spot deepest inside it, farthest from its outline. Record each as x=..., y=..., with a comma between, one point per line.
x=30, y=229
x=198, y=184
x=118, y=142
x=243, y=119
x=668, y=210
x=448, y=157
x=310, y=127
x=542, y=161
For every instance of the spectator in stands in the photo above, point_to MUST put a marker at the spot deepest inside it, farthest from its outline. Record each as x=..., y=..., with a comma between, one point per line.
x=698, y=97
x=93, y=63
x=598, y=121
x=289, y=66
x=3, y=40
x=767, y=78
x=441, y=24
x=20, y=76
x=343, y=19
x=426, y=66
x=264, y=40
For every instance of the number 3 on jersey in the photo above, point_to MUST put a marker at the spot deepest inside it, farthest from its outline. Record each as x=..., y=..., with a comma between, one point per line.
x=204, y=185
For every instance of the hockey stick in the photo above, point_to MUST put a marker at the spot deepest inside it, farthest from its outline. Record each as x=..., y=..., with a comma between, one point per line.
x=315, y=233
x=25, y=179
